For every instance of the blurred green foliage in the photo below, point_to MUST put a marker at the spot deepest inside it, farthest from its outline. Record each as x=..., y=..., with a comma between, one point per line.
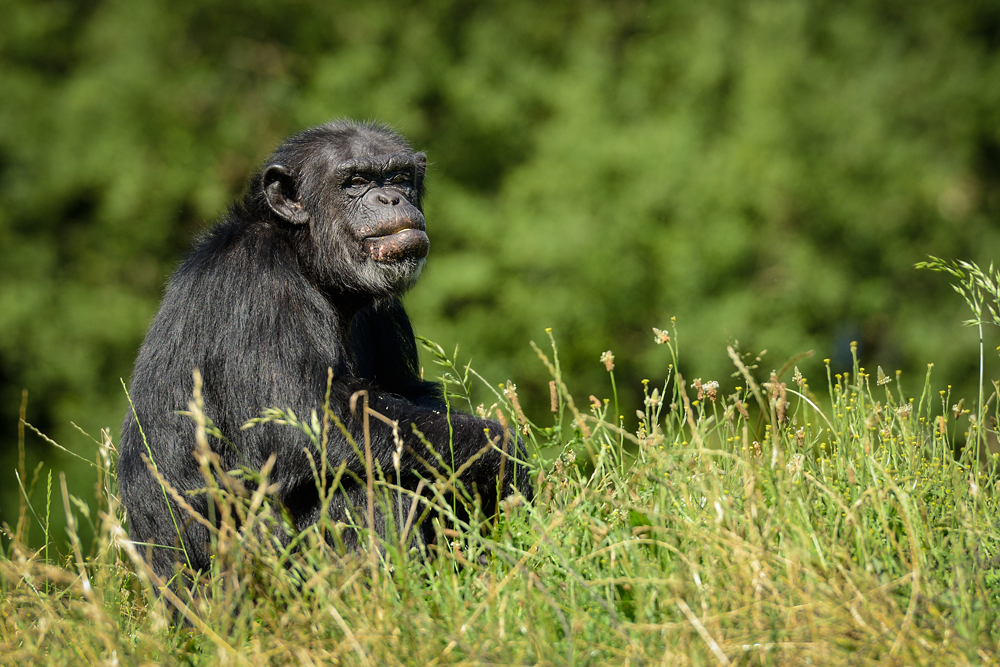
x=764, y=171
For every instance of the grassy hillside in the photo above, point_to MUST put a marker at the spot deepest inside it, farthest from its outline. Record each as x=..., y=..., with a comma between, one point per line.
x=741, y=524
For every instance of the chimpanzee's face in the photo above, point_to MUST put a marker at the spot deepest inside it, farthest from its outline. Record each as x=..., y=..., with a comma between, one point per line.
x=380, y=205
x=360, y=195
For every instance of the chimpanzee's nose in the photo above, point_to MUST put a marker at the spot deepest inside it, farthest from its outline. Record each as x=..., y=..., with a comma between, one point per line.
x=387, y=199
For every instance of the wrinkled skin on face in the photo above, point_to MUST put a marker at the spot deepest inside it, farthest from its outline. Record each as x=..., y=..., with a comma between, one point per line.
x=381, y=193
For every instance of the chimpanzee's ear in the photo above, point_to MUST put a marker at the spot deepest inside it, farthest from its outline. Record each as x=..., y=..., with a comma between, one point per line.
x=282, y=195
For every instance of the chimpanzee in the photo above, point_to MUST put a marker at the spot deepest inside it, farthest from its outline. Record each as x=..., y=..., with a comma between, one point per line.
x=303, y=274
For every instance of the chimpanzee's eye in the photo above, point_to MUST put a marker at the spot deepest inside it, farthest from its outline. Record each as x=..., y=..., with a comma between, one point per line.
x=401, y=177
x=358, y=181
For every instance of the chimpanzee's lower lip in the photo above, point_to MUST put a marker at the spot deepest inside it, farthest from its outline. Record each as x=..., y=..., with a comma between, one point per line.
x=405, y=244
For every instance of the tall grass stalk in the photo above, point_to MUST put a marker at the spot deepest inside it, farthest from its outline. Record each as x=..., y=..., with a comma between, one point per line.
x=981, y=291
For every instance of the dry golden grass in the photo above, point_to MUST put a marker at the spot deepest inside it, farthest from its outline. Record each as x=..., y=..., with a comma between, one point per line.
x=754, y=528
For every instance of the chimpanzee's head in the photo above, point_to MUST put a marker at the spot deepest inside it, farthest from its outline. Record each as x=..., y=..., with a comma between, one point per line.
x=351, y=192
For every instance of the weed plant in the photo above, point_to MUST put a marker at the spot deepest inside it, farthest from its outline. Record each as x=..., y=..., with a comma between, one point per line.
x=752, y=527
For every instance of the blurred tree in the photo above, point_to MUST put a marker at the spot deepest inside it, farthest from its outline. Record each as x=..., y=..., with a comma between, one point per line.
x=765, y=171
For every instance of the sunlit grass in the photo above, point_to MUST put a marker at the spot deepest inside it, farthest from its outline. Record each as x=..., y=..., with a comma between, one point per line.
x=738, y=525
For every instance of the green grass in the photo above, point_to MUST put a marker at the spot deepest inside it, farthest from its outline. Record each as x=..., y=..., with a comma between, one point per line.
x=748, y=528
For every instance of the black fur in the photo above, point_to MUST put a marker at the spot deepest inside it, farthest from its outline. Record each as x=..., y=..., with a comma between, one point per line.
x=302, y=275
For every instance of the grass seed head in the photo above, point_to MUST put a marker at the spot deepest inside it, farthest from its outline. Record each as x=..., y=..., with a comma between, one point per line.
x=608, y=359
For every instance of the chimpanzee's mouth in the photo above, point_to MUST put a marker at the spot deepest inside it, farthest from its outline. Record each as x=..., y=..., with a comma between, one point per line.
x=405, y=243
